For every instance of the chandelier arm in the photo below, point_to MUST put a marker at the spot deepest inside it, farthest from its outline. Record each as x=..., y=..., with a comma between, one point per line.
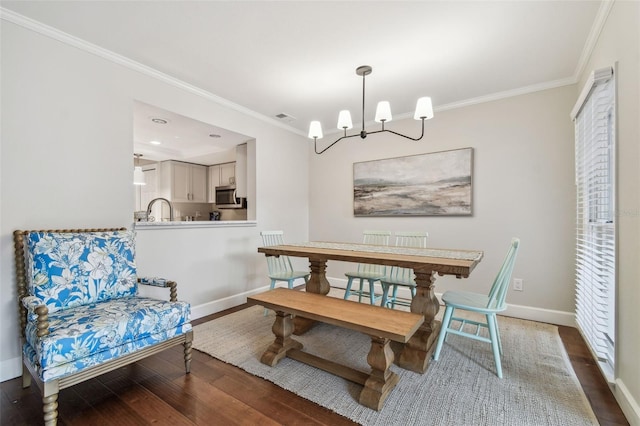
x=315, y=143
x=400, y=134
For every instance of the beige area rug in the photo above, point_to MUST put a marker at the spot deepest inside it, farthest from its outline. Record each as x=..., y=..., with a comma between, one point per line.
x=539, y=386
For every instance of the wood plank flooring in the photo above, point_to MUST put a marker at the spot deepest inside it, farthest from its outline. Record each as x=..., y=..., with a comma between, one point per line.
x=157, y=391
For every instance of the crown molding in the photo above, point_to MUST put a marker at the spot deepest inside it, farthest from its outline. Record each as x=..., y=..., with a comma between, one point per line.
x=10, y=16
x=39, y=27
x=592, y=39
x=508, y=94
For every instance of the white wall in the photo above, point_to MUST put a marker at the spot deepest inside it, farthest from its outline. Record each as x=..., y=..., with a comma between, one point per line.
x=67, y=144
x=523, y=186
x=620, y=42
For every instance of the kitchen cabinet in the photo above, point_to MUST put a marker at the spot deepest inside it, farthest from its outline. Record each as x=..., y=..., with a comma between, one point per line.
x=184, y=182
x=220, y=175
x=241, y=170
x=227, y=174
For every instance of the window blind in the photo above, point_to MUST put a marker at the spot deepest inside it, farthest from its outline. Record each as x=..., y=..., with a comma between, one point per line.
x=594, y=118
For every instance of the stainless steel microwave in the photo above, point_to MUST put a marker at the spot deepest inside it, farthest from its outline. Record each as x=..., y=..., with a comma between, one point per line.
x=226, y=198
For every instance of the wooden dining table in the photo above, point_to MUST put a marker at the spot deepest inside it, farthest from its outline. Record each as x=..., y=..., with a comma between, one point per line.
x=426, y=265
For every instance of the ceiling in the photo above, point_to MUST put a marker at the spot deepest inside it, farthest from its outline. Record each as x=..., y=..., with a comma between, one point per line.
x=299, y=57
x=164, y=135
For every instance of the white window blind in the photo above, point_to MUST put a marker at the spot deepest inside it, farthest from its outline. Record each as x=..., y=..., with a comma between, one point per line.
x=594, y=117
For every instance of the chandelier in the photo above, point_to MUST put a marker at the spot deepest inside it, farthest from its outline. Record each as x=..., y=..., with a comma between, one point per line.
x=424, y=111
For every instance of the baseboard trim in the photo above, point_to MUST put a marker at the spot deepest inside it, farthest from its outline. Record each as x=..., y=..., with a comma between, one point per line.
x=10, y=369
x=515, y=311
x=218, y=305
x=629, y=406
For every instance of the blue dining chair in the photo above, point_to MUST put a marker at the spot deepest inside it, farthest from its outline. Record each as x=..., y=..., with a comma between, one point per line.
x=280, y=267
x=368, y=272
x=402, y=277
x=488, y=305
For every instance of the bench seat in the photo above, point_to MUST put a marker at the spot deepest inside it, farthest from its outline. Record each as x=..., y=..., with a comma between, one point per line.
x=381, y=324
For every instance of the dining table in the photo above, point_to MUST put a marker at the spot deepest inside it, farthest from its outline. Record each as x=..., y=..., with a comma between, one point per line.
x=426, y=263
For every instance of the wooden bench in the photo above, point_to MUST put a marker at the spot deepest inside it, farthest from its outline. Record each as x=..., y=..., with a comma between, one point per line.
x=381, y=324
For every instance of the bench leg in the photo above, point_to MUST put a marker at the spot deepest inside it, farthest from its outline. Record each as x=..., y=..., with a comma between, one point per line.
x=282, y=328
x=382, y=380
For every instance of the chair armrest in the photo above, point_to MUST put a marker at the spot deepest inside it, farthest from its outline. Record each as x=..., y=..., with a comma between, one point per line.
x=162, y=282
x=38, y=310
x=30, y=303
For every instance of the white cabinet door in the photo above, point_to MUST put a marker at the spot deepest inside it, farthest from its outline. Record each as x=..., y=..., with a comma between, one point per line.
x=214, y=180
x=241, y=170
x=227, y=174
x=184, y=182
x=198, y=193
x=180, y=182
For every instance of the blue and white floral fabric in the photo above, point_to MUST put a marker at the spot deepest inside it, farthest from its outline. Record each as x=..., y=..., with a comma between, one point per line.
x=91, y=334
x=88, y=282
x=72, y=269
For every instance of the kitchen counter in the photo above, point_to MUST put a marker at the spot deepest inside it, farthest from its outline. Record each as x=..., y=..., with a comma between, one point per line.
x=143, y=226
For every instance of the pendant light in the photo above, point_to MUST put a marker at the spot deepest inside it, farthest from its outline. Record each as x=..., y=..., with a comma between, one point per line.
x=138, y=174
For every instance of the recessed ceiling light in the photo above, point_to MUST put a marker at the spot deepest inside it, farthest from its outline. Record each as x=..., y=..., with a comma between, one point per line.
x=213, y=135
x=159, y=120
x=155, y=142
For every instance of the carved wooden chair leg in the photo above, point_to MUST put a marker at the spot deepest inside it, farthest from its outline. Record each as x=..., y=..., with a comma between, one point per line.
x=187, y=352
x=282, y=328
x=382, y=380
x=50, y=408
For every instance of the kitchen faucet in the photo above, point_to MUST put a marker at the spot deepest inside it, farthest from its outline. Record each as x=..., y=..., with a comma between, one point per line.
x=160, y=199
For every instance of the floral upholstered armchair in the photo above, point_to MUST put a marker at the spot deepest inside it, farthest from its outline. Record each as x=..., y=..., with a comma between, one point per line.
x=81, y=315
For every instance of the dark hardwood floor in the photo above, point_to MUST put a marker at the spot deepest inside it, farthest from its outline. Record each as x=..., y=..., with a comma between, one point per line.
x=157, y=391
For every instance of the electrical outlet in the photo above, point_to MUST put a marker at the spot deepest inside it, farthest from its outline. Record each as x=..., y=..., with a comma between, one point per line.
x=518, y=284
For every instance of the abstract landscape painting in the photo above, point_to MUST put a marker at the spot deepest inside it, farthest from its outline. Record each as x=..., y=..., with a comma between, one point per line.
x=432, y=184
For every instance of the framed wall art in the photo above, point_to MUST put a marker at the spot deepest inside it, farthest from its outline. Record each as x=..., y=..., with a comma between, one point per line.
x=434, y=184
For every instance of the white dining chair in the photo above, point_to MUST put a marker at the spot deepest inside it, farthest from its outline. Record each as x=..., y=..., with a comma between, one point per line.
x=402, y=277
x=367, y=271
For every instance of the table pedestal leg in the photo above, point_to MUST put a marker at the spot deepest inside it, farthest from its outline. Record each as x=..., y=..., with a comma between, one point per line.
x=382, y=380
x=282, y=328
x=417, y=351
x=318, y=284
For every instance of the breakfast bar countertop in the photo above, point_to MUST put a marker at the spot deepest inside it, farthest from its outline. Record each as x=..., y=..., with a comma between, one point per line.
x=140, y=226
